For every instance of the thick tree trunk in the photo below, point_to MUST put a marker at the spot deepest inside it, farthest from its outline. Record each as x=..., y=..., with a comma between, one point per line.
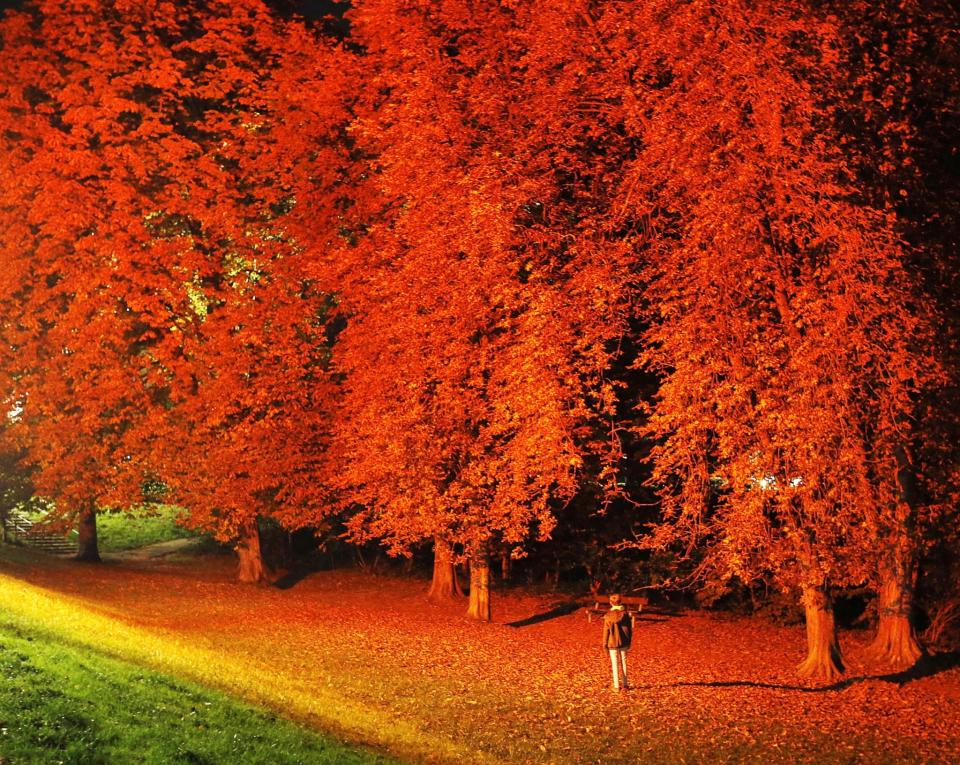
x=823, y=660
x=479, y=607
x=445, y=585
x=250, y=567
x=551, y=576
x=896, y=643
x=87, y=548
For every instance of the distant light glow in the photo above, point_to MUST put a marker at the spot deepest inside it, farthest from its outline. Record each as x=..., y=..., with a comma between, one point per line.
x=14, y=412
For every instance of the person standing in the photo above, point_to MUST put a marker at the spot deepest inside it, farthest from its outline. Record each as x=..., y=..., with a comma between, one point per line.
x=617, y=634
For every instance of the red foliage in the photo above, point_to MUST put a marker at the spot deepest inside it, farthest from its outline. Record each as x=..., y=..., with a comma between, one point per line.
x=483, y=299
x=397, y=277
x=158, y=317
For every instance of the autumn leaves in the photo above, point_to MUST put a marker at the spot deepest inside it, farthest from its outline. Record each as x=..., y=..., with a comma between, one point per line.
x=396, y=278
x=784, y=323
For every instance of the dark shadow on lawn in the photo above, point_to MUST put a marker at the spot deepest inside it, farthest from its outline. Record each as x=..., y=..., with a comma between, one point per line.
x=563, y=609
x=927, y=666
x=293, y=578
x=838, y=686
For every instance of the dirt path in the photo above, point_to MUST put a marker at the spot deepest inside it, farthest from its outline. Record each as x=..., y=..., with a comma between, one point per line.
x=159, y=550
x=706, y=689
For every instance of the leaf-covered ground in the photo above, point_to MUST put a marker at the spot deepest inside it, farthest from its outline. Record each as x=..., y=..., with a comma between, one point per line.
x=60, y=703
x=430, y=685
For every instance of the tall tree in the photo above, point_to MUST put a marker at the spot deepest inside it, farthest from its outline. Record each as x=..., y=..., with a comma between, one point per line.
x=481, y=425
x=900, y=128
x=245, y=431
x=141, y=198
x=780, y=314
x=86, y=154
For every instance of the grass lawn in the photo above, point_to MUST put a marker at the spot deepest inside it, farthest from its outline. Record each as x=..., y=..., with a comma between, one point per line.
x=138, y=528
x=134, y=528
x=63, y=703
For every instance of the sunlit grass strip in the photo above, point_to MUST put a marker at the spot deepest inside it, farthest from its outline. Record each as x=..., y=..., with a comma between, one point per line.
x=300, y=698
x=66, y=703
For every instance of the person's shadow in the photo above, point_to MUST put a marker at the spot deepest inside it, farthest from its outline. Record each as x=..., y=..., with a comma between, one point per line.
x=926, y=666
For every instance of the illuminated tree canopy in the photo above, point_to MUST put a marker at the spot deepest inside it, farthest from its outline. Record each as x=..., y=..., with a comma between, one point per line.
x=404, y=270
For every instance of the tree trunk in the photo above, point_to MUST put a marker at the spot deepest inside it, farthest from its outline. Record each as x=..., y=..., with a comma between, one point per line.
x=87, y=548
x=504, y=566
x=896, y=642
x=479, y=607
x=823, y=660
x=444, y=585
x=551, y=575
x=250, y=569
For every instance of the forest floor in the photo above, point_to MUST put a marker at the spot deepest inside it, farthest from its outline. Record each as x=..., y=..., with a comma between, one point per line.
x=367, y=658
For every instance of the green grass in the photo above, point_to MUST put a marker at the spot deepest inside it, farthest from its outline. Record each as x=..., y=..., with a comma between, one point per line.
x=130, y=529
x=293, y=695
x=138, y=528
x=61, y=703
